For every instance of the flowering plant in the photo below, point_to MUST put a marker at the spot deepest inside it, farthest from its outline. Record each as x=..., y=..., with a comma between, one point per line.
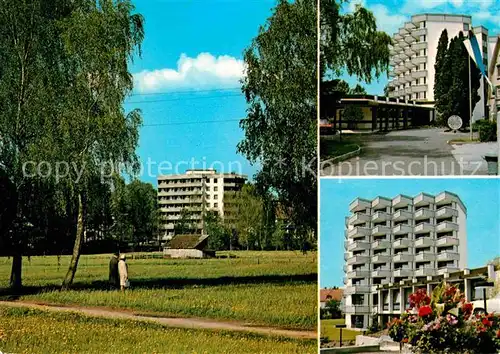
x=444, y=322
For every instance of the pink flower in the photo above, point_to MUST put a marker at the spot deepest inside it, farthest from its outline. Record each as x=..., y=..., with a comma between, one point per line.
x=451, y=319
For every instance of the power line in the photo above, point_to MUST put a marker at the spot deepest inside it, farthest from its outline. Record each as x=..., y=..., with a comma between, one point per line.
x=185, y=91
x=200, y=122
x=180, y=99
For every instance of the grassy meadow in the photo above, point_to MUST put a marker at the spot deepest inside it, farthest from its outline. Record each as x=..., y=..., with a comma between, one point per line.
x=329, y=330
x=262, y=288
x=32, y=331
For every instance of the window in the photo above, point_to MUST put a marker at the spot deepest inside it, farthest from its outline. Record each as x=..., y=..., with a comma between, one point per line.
x=216, y=205
x=422, y=24
x=466, y=27
x=215, y=196
x=215, y=180
x=216, y=189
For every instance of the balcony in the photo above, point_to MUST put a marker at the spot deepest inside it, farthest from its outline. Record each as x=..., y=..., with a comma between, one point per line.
x=423, y=228
x=403, y=257
x=358, y=274
x=357, y=309
x=448, y=256
x=346, y=256
x=358, y=218
x=359, y=205
x=399, y=69
x=359, y=232
x=381, y=258
x=446, y=212
x=446, y=198
x=446, y=226
x=358, y=246
x=381, y=244
x=424, y=242
x=418, y=74
x=382, y=273
x=381, y=203
x=419, y=60
x=358, y=260
x=381, y=216
x=401, y=201
x=449, y=269
x=425, y=257
x=403, y=44
x=409, y=39
x=422, y=272
x=381, y=230
x=419, y=32
x=403, y=273
x=424, y=214
x=402, y=229
x=447, y=241
x=418, y=46
x=357, y=289
x=402, y=215
x=423, y=200
x=402, y=243
x=409, y=65
x=419, y=88
x=396, y=60
x=408, y=90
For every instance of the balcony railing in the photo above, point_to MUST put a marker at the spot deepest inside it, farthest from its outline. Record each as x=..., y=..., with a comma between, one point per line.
x=424, y=227
x=447, y=241
x=446, y=226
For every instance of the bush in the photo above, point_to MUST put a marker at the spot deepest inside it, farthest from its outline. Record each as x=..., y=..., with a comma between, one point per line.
x=487, y=129
x=446, y=323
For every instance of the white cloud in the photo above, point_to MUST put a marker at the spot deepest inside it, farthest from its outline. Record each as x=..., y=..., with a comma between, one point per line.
x=203, y=71
x=482, y=16
x=385, y=21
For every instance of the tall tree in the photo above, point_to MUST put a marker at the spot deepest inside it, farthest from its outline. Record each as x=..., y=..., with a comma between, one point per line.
x=457, y=63
x=350, y=42
x=358, y=90
x=99, y=39
x=443, y=77
x=280, y=89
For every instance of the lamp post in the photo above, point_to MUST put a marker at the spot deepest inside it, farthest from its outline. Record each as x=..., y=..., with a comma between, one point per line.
x=483, y=285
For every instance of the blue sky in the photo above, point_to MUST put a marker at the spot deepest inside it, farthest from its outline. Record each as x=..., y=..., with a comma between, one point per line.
x=480, y=196
x=391, y=14
x=196, y=46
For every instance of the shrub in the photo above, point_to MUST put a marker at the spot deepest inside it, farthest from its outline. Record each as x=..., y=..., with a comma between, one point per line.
x=445, y=323
x=487, y=129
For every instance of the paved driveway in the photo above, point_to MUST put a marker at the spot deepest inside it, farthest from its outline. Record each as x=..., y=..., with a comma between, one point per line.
x=415, y=152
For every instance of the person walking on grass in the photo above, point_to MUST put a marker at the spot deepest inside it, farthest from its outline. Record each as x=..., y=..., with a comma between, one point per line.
x=123, y=272
x=114, y=280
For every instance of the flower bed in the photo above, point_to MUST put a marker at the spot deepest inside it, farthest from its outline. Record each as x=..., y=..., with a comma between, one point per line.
x=445, y=323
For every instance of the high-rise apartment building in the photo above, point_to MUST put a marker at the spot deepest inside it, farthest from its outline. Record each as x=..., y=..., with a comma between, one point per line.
x=413, y=57
x=196, y=191
x=494, y=73
x=390, y=240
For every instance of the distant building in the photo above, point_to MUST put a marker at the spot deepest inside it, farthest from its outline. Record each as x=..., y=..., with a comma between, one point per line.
x=197, y=191
x=391, y=240
x=413, y=57
x=326, y=295
x=494, y=74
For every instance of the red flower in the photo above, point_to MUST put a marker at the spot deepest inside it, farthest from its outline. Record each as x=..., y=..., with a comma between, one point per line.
x=498, y=333
x=405, y=340
x=486, y=322
x=424, y=311
x=467, y=307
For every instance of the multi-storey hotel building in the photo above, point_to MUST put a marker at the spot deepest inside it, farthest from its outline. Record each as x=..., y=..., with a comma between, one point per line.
x=494, y=73
x=196, y=191
x=388, y=241
x=413, y=57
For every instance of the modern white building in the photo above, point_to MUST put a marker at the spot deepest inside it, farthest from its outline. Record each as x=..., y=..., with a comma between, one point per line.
x=197, y=191
x=494, y=73
x=413, y=57
x=390, y=240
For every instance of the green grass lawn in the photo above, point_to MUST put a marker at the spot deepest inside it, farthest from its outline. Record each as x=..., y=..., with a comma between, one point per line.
x=32, y=331
x=333, y=148
x=263, y=288
x=329, y=330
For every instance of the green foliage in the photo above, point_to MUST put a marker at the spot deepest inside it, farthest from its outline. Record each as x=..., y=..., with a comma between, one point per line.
x=375, y=325
x=281, y=93
x=351, y=42
x=358, y=90
x=331, y=310
x=487, y=129
x=353, y=114
x=442, y=79
x=219, y=237
x=452, y=74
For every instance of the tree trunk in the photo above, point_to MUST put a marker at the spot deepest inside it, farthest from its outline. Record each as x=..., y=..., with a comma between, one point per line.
x=75, y=257
x=16, y=272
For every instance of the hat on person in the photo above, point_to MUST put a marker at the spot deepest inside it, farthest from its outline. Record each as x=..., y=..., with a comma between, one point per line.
x=122, y=256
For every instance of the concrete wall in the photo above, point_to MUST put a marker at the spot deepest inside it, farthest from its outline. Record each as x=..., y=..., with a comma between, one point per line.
x=462, y=236
x=182, y=253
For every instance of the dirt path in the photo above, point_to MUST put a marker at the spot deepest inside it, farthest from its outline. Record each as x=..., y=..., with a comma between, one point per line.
x=193, y=323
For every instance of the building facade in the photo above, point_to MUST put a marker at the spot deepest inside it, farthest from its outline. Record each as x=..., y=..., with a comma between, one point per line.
x=196, y=191
x=389, y=240
x=494, y=74
x=413, y=57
